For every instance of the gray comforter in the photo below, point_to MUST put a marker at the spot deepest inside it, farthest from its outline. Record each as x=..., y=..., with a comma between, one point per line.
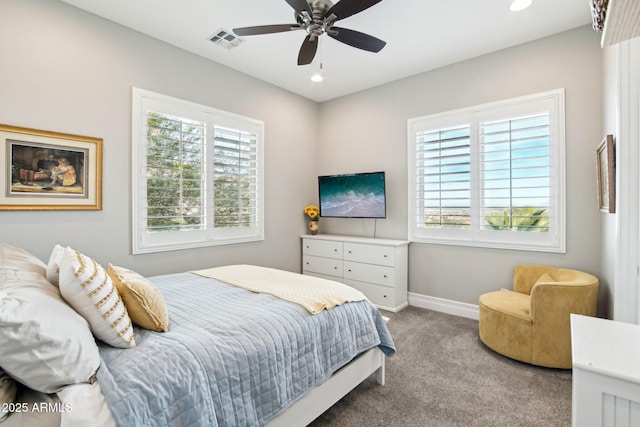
x=231, y=357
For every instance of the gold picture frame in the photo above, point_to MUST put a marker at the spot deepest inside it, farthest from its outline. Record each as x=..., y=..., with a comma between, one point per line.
x=49, y=170
x=606, y=174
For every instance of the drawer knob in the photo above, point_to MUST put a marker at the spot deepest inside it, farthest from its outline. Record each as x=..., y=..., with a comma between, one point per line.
x=349, y=251
x=385, y=276
x=335, y=250
x=307, y=262
x=335, y=268
x=349, y=270
x=384, y=296
x=385, y=256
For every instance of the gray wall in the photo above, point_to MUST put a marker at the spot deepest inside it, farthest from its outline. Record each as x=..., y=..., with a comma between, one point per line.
x=64, y=70
x=367, y=131
x=68, y=71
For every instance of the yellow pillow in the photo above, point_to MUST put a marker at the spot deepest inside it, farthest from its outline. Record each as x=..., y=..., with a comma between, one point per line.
x=144, y=302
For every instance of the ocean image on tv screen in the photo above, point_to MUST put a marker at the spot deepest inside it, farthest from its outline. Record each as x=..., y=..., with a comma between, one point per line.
x=352, y=196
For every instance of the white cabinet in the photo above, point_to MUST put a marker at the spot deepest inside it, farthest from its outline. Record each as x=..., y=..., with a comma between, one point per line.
x=376, y=267
x=606, y=372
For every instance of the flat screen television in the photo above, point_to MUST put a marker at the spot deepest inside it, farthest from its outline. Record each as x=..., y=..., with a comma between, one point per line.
x=357, y=195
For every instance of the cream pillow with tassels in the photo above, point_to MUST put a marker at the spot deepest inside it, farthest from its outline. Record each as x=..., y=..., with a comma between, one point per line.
x=87, y=287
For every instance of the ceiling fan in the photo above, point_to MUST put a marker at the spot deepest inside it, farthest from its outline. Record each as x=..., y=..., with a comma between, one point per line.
x=317, y=17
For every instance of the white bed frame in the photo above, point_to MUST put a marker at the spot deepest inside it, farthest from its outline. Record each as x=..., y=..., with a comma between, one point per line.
x=322, y=397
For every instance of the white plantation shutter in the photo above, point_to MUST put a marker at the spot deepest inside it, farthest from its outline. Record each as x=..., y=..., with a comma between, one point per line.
x=175, y=173
x=490, y=175
x=235, y=178
x=443, y=171
x=197, y=175
x=515, y=170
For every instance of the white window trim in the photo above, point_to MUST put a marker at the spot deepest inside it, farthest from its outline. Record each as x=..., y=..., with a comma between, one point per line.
x=143, y=242
x=555, y=241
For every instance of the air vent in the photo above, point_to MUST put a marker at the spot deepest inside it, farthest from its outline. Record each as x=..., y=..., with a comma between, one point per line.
x=226, y=39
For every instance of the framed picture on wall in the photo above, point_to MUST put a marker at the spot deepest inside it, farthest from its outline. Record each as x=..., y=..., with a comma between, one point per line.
x=49, y=170
x=606, y=174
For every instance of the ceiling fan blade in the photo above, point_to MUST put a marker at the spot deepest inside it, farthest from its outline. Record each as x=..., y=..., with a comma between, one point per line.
x=346, y=8
x=265, y=29
x=299, y=5
x=357, y=39
x=307, y=50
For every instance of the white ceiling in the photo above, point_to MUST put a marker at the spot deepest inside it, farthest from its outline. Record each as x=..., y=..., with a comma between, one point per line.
x=421, y=35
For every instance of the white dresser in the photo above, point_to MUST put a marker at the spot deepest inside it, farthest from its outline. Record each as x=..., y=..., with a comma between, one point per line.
x=606, y=372
x=376, y=267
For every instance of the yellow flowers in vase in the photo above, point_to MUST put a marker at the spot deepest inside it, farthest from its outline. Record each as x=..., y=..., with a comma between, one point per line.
x=313, y=213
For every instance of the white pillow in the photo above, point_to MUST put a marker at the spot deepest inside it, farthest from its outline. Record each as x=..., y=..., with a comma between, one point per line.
x=44, y=343
x=8, y=391
x=53, y=266
x=29, y=399
x=87, y=405
x=87, y=287
x=18, y=259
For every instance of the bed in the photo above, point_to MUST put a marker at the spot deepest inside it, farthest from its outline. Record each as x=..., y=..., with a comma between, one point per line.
x=229, y=357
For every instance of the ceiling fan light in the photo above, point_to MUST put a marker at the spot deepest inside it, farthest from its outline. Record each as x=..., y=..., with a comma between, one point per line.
x=317, y=77
x=518, y=5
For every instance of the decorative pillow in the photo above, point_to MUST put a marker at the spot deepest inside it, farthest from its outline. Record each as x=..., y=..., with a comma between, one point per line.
x=19, y=259
x=86, y=286
x=44, y=343
x=8, y=391
x=144, y=302
x=53, y=267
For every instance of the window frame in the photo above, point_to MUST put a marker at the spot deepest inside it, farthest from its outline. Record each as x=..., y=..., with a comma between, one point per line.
x=143, y=241
x=552, y=241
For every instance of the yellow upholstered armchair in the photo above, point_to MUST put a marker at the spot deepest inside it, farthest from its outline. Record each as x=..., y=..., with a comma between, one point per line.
x=531, y=323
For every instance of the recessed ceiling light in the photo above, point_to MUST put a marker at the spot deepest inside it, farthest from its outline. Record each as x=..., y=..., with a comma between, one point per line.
x=518, y=5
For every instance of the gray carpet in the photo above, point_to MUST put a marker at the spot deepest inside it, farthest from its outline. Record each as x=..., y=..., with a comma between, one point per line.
x=442, y=375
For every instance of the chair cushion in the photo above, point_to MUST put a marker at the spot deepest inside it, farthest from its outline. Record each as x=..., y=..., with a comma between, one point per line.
x=509, y=303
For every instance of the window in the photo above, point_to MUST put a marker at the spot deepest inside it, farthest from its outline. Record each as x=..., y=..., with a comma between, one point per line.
x=490, y=175
x=197, y=175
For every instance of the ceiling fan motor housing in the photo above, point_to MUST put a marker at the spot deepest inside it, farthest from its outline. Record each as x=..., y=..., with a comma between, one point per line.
x=317, y=24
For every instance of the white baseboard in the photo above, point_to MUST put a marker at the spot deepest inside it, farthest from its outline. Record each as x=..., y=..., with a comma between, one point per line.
x=456, y=308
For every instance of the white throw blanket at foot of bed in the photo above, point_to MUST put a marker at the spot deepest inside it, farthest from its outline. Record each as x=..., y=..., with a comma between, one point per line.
x=313, y=293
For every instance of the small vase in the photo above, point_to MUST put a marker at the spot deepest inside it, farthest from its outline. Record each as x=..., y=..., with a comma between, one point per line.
x=313, y=227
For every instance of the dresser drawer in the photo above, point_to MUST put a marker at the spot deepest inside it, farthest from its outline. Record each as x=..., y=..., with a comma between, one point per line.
x=377, y=274
x=321, y=265
x=379, y=295
x=323, y=248
x=323, y=276
x=372, y=254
